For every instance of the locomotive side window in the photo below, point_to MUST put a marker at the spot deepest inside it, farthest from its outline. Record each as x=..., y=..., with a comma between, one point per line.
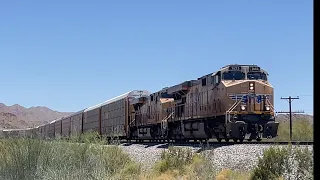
x=216, y=78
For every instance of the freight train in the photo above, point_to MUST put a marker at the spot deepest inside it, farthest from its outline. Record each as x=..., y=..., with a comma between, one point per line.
x=236, y=102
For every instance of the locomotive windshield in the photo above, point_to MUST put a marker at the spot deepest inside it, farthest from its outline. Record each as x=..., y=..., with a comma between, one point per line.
x=256, y=75
x=233, y=75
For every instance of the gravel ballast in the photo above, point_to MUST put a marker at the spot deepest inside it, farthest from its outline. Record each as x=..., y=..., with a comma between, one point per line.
x=235, y=157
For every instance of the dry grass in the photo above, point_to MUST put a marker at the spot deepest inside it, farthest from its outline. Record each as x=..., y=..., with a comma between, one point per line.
x=228, y=174
x=36, y=159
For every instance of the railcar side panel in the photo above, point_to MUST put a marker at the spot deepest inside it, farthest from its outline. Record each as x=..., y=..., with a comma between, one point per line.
x=28, y=133
x=35, y=132
x=65, y=126
x=43, y=131
x=91, y=120
x=46, y=130
x=57, y=128
x=51, y=130
x=76, y=124
x=113, y=118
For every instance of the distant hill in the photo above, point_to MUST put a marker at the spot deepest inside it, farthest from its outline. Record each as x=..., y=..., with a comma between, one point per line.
x=16, y=116
x=295, y=117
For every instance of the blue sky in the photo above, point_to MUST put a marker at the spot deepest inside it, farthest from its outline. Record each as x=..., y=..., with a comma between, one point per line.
x=68, y=55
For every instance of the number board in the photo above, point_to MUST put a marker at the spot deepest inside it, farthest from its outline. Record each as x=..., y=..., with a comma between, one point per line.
x=235, y=68
x=254, y=68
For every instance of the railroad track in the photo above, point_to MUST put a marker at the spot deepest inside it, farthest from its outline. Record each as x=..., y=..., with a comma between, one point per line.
x=203, y=144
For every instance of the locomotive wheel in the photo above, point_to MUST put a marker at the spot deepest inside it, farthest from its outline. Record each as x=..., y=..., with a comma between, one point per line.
x=235, y=139
x=219, y=139
x=258, y=139
x=241, y=140
x=227, y=139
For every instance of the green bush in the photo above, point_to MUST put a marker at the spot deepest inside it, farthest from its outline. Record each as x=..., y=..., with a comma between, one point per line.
x=182, y=163
x=271, y=165
x=174, y=159
x=278, y=162
x=201, y=167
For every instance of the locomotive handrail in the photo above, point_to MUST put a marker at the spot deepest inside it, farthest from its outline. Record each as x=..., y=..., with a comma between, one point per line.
x=167, y=117
x=270, y=104
x=231, y=109
x=132, y=121
x=165, y=120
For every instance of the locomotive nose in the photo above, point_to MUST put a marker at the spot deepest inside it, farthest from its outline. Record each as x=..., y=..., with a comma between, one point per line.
x=256, y=96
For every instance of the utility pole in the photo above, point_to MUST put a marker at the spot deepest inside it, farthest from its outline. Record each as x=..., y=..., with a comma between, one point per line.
x=290, y=112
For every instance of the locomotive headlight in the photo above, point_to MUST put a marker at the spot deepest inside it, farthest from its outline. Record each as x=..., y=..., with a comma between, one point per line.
x=243, y=107
x=251, y=87
x=267, y=108
x=251, y=84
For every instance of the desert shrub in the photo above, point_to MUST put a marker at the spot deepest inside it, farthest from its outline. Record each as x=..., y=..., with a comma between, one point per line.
x=304, y=163
x=201, y=167
x=271, y=165
x=278, y=162
x=182, y=163
x=302, y=130
x=174, y=159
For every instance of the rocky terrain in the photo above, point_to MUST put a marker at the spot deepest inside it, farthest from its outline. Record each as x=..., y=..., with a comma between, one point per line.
x=16, y=116
x=243, y=157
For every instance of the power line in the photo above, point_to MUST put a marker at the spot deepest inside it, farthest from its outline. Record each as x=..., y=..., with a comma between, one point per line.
x=290, y=99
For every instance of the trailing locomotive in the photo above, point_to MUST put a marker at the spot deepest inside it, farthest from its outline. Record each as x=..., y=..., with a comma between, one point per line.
x=236, y=102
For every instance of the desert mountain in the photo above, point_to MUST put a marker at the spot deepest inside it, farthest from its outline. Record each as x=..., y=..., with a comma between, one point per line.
x=16, y=116
x=295, y=117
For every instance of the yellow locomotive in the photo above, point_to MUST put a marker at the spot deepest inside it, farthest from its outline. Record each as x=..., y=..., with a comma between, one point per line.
x=235, y=102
